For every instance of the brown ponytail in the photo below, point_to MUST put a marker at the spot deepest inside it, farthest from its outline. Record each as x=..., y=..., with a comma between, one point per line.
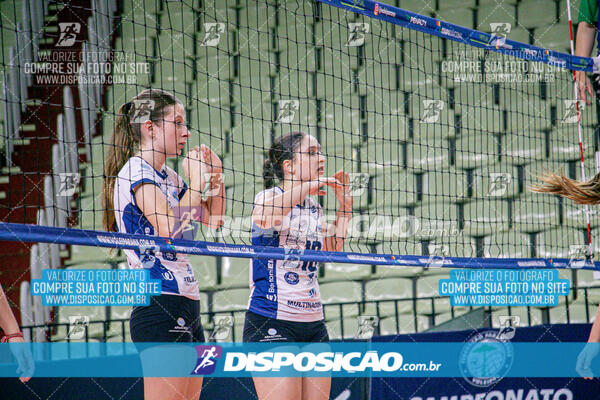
x=125, y=141
x=581, y=192
x=282, y=149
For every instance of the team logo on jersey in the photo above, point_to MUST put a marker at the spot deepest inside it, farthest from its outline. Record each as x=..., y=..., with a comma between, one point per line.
x=169, y=256
x=77, y=326
x=212, y=33
x=68, y=33
x=287, y=111
x=312, y=293
x=207, y=359
x=366, y=326
x=499, y=182
x=69, y=182
x=291, y=278
x=148, y=255
x=571, y=114
x=432, y=110
x=181, y=326
x=357, y=32
x=142, y=109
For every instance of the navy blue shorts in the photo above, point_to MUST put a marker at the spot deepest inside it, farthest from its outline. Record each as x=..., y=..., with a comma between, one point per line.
x=168, y=318
x=258, y=328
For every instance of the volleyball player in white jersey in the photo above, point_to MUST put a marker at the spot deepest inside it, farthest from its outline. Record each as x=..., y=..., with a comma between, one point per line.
x=144, y=196
x=285, y=304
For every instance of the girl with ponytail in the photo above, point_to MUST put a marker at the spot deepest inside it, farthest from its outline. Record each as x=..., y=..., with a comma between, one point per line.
x=143, y=196
x=285, y=304
x=582, y=193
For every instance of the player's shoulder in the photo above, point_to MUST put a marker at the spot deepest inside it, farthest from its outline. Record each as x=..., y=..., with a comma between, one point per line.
x=133, y=165
x=172, y=175
x=267, y=192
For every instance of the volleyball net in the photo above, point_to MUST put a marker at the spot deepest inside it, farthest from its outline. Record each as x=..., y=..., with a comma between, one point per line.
x=440, y=128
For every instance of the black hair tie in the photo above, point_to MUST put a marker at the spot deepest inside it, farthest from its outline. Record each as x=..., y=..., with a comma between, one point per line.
x=127, y=108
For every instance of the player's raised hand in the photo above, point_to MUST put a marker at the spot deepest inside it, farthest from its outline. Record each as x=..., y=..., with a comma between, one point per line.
x=584, y=86
x=193, y=168
x=342, y=190
x=210, y=158
x=316, y=186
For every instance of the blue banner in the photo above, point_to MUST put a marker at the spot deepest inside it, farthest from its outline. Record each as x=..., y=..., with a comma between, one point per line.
x=509, y=387
x=486, y=356
x=504, y=287
x=95, y=287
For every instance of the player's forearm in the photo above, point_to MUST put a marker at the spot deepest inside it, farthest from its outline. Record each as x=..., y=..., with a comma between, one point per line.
x=274, y=209
x=216, y=209
x=337, y=231
x=595, y=331
x=586, y=35
x=8, y=323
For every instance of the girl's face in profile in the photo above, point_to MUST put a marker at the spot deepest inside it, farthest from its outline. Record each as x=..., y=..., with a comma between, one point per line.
x=171, y=133
x=308, y=163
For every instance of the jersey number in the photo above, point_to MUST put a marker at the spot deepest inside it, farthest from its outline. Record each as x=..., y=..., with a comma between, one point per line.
x=311, y=265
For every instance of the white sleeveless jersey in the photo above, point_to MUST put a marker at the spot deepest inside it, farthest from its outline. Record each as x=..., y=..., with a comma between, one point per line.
x=172, y=269
x=288, y=289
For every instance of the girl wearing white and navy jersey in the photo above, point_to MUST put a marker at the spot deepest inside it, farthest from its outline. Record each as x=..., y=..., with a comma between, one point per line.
x=285, y=303
x=144, y=196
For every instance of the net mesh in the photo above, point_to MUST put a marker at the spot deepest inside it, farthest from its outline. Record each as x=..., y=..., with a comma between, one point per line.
x=441, y=139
